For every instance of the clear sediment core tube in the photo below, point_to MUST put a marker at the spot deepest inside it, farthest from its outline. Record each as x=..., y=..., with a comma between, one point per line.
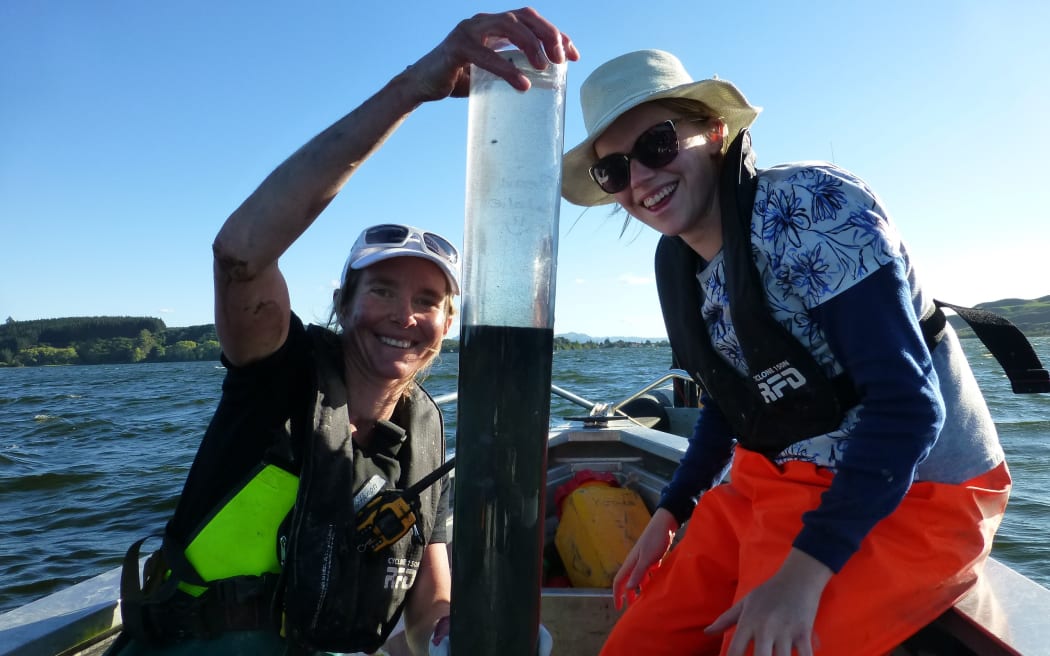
x=513, y=197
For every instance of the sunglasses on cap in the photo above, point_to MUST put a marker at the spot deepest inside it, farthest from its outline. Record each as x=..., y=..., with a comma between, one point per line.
x=655, y=148
x=396, y=235
x=381, y=242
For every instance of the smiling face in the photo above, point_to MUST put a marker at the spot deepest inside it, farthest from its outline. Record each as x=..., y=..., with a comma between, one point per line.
x=394, y=322
x=681, y=198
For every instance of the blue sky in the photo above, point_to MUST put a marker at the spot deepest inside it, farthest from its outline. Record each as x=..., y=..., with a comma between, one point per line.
x=130, y=130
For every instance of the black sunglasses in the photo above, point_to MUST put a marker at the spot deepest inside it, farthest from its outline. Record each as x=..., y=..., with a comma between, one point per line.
x=655, y=148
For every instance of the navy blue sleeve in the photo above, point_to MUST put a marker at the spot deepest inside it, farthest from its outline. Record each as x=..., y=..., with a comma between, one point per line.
x=704, y=463
x=873, y=332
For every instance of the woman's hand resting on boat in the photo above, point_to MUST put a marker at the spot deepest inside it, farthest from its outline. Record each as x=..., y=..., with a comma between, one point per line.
x=445, y=70
x=778, y=615
x=644, y=556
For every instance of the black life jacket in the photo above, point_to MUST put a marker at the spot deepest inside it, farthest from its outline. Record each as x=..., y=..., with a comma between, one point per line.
x=339, y=596
x=786, y=396
x=330, y=593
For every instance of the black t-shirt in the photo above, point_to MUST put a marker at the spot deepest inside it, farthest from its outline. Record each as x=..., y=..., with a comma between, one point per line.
x=252, y=418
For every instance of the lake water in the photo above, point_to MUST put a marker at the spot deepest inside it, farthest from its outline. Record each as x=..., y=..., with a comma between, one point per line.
x=92, y=458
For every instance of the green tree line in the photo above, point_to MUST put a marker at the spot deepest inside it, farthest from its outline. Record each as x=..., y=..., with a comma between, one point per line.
x=103, y=340
x=122, y=340
x=116, y=340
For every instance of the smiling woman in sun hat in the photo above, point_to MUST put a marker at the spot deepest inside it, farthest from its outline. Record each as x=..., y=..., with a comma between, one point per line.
x=263, y=554
x=867, y=480
x=631, y=80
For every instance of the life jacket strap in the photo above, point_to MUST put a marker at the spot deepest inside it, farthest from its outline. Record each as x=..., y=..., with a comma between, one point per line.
x=138, y=596
x=156, y=612
x=1004, y=341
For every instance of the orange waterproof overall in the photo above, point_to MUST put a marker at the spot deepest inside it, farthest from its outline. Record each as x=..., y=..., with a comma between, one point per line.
x=912, y=567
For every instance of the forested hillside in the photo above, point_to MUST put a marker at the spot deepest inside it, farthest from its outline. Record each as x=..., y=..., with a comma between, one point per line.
x=103, y=340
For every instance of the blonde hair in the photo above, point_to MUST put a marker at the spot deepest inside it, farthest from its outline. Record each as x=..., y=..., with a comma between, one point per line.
x=348, y=291
x=345, y=296
x=694, y=110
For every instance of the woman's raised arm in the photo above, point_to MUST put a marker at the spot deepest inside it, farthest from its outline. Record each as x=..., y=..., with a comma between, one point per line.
x=251, y=297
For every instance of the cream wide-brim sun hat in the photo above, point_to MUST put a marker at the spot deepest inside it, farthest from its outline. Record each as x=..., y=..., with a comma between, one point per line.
x=630, y=80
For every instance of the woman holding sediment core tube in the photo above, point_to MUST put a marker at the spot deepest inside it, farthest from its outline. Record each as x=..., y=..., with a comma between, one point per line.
x=317, y=406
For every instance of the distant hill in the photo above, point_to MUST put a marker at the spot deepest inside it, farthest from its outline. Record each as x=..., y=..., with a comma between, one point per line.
x=582, y=337
x=1031, y=316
